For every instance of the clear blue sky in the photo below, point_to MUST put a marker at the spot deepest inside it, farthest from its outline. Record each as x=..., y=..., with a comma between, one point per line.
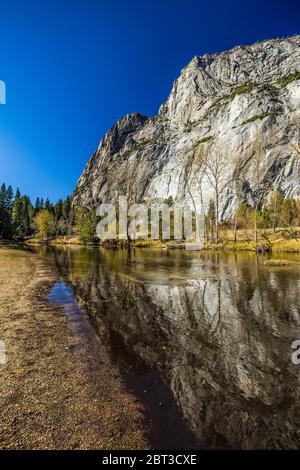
x=72, y=68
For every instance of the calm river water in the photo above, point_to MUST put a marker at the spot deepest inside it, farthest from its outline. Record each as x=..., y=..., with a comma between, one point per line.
x=203, y=339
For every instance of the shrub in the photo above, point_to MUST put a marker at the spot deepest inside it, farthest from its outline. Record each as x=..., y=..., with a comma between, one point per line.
x=285, y=81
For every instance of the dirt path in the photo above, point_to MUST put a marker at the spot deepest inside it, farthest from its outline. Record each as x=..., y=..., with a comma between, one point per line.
x=57, y=388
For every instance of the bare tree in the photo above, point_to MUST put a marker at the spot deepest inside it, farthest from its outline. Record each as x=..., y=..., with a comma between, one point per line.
x=213, y=165
x=196, y=176
x=237, y=193
x=216, y=167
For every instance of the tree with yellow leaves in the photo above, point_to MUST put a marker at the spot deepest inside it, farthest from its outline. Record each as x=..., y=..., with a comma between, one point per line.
x=45, y=224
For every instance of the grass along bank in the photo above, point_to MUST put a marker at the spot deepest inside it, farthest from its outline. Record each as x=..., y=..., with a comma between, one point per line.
x=267, y=240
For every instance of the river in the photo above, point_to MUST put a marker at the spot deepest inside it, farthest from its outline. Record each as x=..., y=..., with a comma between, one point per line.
x=202, y=338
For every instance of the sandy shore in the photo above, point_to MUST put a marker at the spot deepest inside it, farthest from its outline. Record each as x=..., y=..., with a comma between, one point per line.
x=57, y=388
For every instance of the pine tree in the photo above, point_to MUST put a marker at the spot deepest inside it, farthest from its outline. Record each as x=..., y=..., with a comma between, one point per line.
x=288, y=212
x=85, y=225
x=9, y=197
x=60, y=225
x=16, y=216
x=27, y=214
x=211, y=218
x=68, y=214
x=21, y=217
x=6, y=196
x=48, y=206
x=274, y=206
x=37, y=205
x=58, y=209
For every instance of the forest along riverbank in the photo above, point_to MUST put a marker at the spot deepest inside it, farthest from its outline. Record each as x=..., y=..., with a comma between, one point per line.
x=57, y=387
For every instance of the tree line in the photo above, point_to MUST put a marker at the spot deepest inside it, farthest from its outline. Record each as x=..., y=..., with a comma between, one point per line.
x=213, y=164
x=277, y=213
x=20, y=219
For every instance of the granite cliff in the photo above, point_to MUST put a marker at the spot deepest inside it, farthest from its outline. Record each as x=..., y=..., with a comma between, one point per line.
x=235, y=113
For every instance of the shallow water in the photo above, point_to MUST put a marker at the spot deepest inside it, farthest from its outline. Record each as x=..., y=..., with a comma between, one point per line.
x=203, y=336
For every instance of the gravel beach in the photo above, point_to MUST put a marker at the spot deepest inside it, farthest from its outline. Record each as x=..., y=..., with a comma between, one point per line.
x=58, y=389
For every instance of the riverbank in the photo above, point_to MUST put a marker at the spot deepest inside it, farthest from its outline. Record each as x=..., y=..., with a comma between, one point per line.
x=58, y=388
x=268, y=240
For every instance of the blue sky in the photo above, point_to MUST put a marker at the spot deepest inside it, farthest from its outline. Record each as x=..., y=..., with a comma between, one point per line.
x=72, y=68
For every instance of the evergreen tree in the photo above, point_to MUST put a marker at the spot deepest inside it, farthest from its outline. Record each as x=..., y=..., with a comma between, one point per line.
x=16, y=217
x=9, y=198
x=6, y=196
x=274, y=206
x=37, y=205
x=68, y=214
x=211, y=219
x=58, y=209
x=60, y=225
x=48, y=206
x=85, y=225
x=27, y=215
x=289, y=212
x=21, y=217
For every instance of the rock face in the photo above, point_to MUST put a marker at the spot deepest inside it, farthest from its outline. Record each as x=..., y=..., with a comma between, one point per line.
x=236, y=113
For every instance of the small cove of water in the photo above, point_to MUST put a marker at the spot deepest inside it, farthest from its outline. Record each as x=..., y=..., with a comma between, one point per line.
x=62, y=294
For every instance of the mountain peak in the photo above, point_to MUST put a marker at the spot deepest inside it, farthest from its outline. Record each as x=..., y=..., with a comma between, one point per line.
x=223, y=102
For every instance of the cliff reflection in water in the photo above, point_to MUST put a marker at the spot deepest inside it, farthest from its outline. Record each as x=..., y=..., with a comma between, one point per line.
x=218, y=327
